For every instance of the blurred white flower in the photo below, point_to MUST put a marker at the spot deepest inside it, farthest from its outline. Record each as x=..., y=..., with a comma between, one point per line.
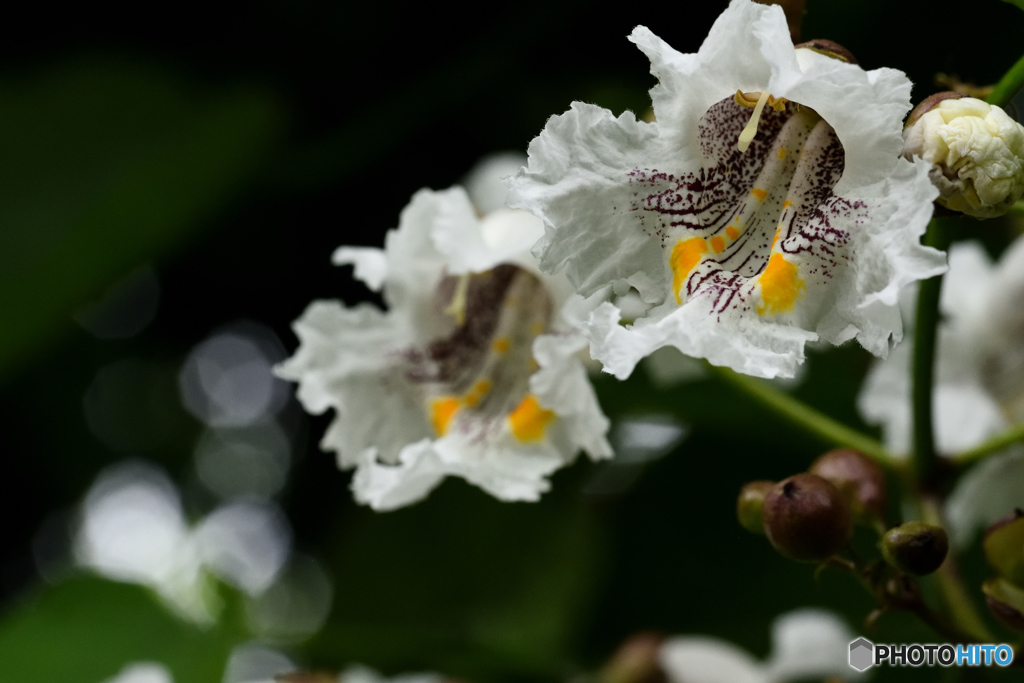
x=132, y=529
x=766, y=207
x=227, y=380
x=362, y=674
x=143, y=672
x=255, y=663
x=487, y=182
x=806, y=644
x=979, y=383
x=472, y=372
x=245, y=543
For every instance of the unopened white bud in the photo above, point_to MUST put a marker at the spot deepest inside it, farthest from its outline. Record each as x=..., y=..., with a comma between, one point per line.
x=976, y=151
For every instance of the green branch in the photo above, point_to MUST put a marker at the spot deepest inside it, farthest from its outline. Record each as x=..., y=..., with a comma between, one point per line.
x=806, y=417
x=1008, y=86
x=924, y=458
x=958, y=601
x=997, y=443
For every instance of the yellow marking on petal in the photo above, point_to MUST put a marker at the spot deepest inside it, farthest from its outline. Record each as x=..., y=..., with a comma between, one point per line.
x=457, y=307
x=500, y=345
x=528, y=420
x=786, y=204
x=750, y=130
x=782, y=152
x=781, y=286
x=482, y=386
x=685, y=257
x=718, y=244
x=732, y=232
x=442, y=411
x=775, y=239
x=759, y=193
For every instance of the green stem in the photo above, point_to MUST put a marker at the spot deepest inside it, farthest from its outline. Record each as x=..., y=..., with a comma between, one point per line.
x=1011, y=82
x=994, y=445
x=806, y=417
x=924, y=458
x=958, y=600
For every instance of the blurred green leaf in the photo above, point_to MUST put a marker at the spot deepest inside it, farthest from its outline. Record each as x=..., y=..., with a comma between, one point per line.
x=104, y=165
x=1018, y=3
x=464, y=584
x=86, y=629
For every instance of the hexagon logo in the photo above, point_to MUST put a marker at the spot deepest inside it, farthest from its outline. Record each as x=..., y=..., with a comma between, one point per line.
x=862, y=654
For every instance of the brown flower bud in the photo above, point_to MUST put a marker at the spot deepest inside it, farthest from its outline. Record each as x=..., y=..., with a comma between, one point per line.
x=929, y=103
x=859, y=479
x=915, y=547
x=806, y=519
x=750, y=504
x=829, y=48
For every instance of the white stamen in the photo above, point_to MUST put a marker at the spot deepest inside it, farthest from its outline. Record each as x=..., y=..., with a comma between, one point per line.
x=750, y=130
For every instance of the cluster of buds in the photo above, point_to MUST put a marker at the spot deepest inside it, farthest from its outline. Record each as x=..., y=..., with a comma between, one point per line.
x=976, y=151
x=810, y=517
x=1004, y=549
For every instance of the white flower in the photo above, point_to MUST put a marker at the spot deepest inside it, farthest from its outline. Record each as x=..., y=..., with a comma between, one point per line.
x=132, y=529
x=977, y=152
x=744, y=256
x=806, y=644
x=979, y=383
x=363, y=674
x=143, y=672
x=472, y=372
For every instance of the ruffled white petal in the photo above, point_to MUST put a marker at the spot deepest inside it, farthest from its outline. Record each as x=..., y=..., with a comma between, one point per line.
x=580, y=156
x=698, y=659
x=751, y=347
x=388, y=487
x=561, y=385
x=887, y=257
x=371, y=264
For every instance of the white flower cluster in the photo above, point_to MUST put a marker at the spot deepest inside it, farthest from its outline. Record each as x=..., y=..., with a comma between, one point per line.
x=767, y=207
x=979, y=383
